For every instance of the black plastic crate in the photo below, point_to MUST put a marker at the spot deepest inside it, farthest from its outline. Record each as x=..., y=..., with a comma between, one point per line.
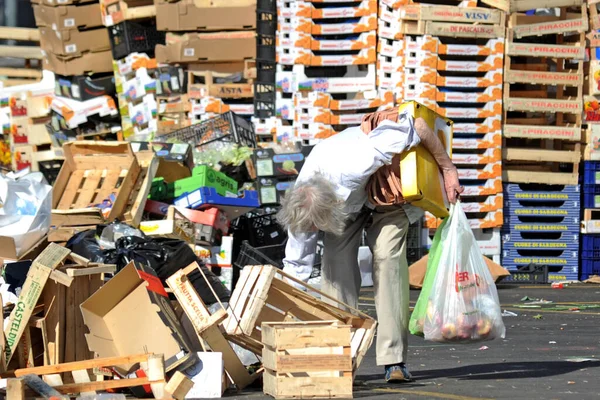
x=414, y=242
x=264, y=99
x=530, y=274
x=265, y=255
x=50, y=169
x=260, y=230
x=132, y=37
x=227, y=127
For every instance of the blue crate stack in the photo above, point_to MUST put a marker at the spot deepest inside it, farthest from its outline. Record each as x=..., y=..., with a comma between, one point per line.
x=541, y=227
x=590, y=242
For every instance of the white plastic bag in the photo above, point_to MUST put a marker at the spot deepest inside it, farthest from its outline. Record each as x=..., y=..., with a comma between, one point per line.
x=463, y=304
x=25, y=209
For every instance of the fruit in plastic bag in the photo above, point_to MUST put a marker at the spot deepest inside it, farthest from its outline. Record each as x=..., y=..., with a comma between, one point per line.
x=461, y=297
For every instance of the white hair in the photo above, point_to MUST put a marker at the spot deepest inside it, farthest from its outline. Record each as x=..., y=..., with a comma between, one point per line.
x=311, y=205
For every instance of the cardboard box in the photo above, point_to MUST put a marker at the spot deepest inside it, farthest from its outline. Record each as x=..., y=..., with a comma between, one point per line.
x=355, y=79
x=68, y=17
x=207, y=47
x=87, y=63
x=172, y=152
x=173, y=104
x=55, y=3
x=84, y=87
x=271, y=190
x=198, y=15
x=269, y=163
x=132, y=314
x=72, y=42
x=208, y=83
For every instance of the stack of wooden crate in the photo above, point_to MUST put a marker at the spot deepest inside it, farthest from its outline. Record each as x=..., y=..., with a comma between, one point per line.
x=450, y=58
x=543, y=104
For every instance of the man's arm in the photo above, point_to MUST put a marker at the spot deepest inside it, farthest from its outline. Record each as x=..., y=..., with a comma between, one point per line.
x=434, y=145
x=300, y=255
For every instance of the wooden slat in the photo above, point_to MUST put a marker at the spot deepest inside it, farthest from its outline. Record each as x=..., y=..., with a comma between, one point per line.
x=88, y=191
x=525, y=5
x=21, y=34
x=550, y=178
x=79, y=365
x=27, y=52
x=70, y=192
x=108, y=186
x=541, y=155
x=21, y=73
x=542, y=132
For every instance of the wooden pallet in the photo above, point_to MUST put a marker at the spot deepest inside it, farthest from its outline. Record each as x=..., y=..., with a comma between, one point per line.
x=26, y=74
x=307, y=359
x=207, y=325
x=262, y=294
x=204, y=84
x=51, y=385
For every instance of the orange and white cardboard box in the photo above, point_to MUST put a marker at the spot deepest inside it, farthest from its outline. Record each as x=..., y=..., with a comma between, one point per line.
x=76, y=112
x=493, y=46
x=491, y=78
x=493, y=219
x=266, y=126
x=242, y=109
x=296, y=56
x=206, y=105
x=390, y=64
x=492, y=62
x=398, y=29
x=300, y=24
x=390, y=47
x=367, y=100
x=355, y=79
x=486, y=157
x=482, y=188
x=488, y=141
x=327, y=116
x=485, y=171
x=413, y=76
x=317, y=130
x=491, y=124
x=492, y=93
x=308, y=10
x=303, y=40
x=489, y=240
x=491, y=109
x=491, y=203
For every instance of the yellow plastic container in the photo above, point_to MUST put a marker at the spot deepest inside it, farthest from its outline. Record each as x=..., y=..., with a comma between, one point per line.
x=422, y=181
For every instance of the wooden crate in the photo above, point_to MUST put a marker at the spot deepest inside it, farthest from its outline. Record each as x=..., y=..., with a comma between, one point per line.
x=26, y=74
x=204, y=84
x=137, y=200
x=91, y=173
x=307, y=360
x=175, y=226
x=262, y=294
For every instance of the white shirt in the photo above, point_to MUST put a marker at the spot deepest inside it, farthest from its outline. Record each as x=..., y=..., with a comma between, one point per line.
x=348, y=160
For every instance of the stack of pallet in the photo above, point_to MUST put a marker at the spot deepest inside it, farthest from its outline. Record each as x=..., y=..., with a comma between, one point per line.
x=543, y=104
x=133, y=35
x=450, y=59
x=217, y=44
x=325, y=47
x=15, y=61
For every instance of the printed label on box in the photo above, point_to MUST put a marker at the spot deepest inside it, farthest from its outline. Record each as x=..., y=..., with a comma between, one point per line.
x=71, y=48
x=69, y=22
x=268, y=195
x=75, y=92
x=264, y=167
x=189, y=52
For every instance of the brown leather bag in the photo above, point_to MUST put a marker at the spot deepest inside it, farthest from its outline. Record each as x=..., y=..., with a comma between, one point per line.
x=384, y=187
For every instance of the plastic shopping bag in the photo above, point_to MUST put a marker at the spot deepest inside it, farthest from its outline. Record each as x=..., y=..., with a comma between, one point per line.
x=461, y=302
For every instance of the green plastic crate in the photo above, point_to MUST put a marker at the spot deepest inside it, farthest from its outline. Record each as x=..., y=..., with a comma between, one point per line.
x=203, y=176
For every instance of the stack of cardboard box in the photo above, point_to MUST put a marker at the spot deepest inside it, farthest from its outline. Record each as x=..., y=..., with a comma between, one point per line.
x=323, y=47
x=216, y=41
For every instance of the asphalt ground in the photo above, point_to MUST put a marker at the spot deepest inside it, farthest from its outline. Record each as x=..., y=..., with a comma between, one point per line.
x=551, y=351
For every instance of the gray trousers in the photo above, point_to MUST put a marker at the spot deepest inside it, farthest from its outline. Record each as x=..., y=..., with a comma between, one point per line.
x=340, y=275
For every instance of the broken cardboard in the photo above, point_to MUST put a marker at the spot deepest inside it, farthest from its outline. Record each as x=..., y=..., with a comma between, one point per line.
x=71, y=17
x=73, y=43
x=87, y=63
x=132, y=314
x=416, y=272
x=207, y=47
x=189, y=15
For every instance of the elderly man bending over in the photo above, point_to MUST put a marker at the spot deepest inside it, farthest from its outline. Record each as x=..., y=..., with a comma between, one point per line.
x=330, y=196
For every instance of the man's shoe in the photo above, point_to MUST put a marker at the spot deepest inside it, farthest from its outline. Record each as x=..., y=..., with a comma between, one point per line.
x=397, y=373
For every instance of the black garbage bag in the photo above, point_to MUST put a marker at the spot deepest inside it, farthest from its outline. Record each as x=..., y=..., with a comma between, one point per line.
x=164, y=256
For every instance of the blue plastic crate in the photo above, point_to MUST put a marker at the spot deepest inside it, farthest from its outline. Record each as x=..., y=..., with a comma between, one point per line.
x=563, y=254
x=527, y=226
x=589, y=267
x=590, y=246
x=591, y=173
x=541, y=245
x=571, y=238
x=591, y=196
x=539, y=190
x=518, y=207
x=233, y=207
x=556, y=271
x=572, y=220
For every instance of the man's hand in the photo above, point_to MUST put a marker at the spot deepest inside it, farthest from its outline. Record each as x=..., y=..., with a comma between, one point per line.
x=453, y=188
